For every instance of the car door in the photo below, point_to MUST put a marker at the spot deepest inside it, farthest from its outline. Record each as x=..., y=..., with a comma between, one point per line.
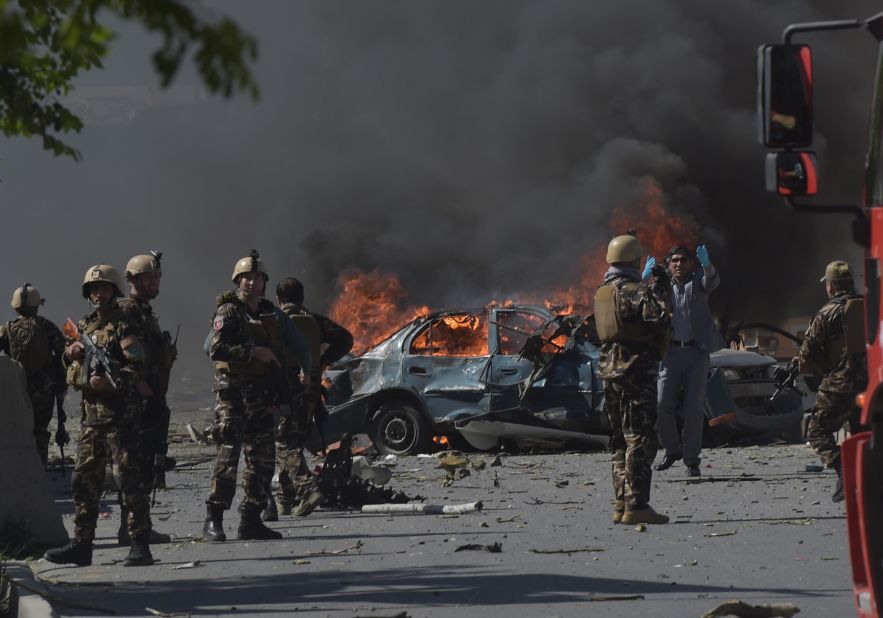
x=566, y=394
x=444, y=361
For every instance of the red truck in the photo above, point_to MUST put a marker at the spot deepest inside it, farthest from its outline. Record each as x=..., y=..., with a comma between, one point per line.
x=785, y=113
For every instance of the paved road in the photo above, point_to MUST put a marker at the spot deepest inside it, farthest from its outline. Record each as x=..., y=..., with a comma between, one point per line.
x=757, y=527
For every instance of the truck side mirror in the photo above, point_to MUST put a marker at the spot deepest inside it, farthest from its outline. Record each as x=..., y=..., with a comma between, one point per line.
x=792, y=173
x=784, y=96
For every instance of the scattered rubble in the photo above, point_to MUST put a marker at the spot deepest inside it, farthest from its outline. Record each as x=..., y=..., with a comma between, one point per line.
x=742, y=609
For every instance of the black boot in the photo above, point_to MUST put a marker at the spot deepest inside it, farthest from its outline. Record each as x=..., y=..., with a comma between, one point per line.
x=139, y=555
x=76, y=552
x=837, y=496
x=213, y=530
x=251, y=528
x=271, y=512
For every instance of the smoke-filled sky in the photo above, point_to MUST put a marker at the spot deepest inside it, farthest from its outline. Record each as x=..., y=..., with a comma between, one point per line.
x=475, y=149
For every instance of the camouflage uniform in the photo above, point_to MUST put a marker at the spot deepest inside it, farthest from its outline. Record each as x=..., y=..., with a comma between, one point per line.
x=844, y=376
x=245, y=391
x=38, y=345
x=629, y=370
x=293, y=428
x=109, y=428
x=159, y=354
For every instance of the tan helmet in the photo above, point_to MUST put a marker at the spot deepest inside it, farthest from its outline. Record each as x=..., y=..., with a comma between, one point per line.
x=625, y=248
x=250, y=264
x=102, y=273
x=145, y=263
x=26, y=297
x=838, y=270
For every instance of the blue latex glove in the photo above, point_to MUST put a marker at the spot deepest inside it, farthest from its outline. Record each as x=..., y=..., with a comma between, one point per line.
x=651, y=262
x=702, y=256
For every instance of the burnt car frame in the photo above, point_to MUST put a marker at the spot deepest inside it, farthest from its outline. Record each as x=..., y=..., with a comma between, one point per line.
x=519, y=373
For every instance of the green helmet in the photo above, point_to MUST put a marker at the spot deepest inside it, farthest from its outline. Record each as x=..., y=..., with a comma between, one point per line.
x=625, y=248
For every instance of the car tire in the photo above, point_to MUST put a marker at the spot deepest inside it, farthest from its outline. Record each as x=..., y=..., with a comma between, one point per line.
x=398, y=428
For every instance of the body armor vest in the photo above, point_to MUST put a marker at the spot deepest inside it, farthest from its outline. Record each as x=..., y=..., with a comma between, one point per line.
x=262, y=332
x=852, y=340
x=608, y=319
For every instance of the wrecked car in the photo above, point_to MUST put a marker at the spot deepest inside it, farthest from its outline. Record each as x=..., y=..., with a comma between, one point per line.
x=484, y=376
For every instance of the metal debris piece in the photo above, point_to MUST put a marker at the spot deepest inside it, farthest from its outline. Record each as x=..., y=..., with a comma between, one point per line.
x=497, y=461
x=301, y=562
x=427, y=509
x=575, y=550
x=815, y=468
x=58, y=601
x=197, y=436
x=336, y=552
x=187, y=565
x=156, y=612
x=741, y=609
x=727, y=533
x=507, y=520
x=494, y=548
x=598, y=598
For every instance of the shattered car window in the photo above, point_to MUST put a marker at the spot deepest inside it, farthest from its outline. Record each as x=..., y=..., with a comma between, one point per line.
x=514, y=327
x=456, y=334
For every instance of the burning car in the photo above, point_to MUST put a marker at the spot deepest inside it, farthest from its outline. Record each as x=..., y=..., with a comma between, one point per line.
x=520, y=373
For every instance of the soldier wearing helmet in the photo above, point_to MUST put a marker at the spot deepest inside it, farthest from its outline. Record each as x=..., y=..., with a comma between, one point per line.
x=111, y=407
x=632, y=320
x=834, y=349
x=143, y=274
x=250, y=343
x=37, y=344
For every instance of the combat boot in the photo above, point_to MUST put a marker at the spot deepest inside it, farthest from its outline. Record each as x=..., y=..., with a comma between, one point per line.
x=645, y=515
x=270, y=513
x=837, y=496
x=309, y=503
x=251, y=528
x=618, y=510
x=76, y=552
x=213, y=529
x=139, y=555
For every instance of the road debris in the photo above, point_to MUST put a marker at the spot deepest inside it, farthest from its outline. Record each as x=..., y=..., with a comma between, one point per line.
x=426, y=509
x=157, y=612
x=61, y=602
x=197, y=436
x=727, y=533
x=494, y=548
x=600, y=598
x=508, y=520
x=574, y=550
x=641, y=528
x=336, y=552
x=187, y=565
x=741, y=609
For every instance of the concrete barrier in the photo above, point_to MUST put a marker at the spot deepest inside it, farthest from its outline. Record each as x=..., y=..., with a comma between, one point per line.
x=25, y=496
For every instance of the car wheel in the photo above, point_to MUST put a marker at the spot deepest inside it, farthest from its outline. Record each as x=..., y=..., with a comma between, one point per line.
x=399, y=429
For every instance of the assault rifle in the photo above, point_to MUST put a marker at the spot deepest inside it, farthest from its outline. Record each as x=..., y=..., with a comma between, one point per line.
x=61, y=435
x=96, y=359
x=785, y=378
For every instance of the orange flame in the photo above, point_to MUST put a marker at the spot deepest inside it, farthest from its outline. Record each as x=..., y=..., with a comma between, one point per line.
x=372, y=305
